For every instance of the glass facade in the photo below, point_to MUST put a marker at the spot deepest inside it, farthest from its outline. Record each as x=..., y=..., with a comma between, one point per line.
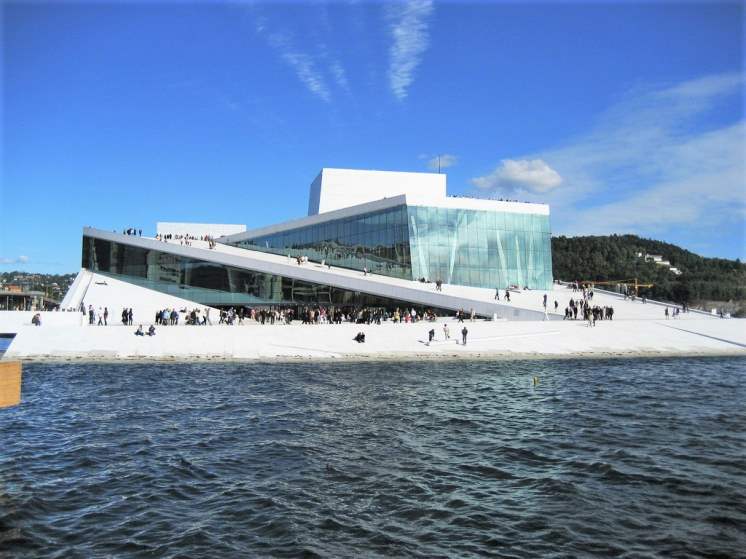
x=480, y=248
x=214, y=284
x=378, y=241
x=465, y=247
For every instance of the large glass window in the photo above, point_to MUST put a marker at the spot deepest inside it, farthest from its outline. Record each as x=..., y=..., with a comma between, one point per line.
x=467, y=247
x=480, y=248
x=374, y=241
x=214, y=284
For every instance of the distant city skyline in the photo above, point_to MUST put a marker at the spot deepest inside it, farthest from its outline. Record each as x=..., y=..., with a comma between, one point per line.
x=625, y=118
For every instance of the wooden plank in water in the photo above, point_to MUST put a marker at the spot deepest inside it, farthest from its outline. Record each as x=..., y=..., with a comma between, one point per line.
x=10, y=383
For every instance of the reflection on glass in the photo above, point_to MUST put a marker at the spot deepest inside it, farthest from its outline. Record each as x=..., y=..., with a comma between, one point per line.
x=215, y=284
x=468, y=247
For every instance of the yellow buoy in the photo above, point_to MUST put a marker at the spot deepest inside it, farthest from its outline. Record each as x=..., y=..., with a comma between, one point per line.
x=536, y=381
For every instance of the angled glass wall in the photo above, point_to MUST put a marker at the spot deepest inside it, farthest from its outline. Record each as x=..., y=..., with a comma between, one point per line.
x=480, y=248
x=377, y=241
x=464, y=247
x=214, y=284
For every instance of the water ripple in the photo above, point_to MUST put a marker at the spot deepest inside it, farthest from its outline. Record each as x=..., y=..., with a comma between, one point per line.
x=620, y=458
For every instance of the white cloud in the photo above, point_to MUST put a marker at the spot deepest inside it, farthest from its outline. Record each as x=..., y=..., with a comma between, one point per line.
x=442, y=161
x=409, y=30
x=532, y=175
x=18, y=260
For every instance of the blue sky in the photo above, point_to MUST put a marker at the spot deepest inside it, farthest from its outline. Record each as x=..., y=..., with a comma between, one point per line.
x=625, y=117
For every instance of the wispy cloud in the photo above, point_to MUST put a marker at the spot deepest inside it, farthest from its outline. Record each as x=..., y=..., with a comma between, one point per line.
x=339, y=75
x=315, y=66
x=650, y=164
x=699, y=183
x=300, y=62
x=409, y=30
x=17, y=260
x=438, y=162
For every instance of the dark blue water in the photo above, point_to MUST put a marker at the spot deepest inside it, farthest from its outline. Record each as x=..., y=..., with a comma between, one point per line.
x=4, y=344
x=602, y=458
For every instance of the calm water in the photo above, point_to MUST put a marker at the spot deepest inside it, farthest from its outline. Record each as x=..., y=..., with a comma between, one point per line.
x=4, y=343
x=623, y=457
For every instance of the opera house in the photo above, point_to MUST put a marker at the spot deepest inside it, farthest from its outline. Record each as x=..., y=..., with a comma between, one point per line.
x=371, y=238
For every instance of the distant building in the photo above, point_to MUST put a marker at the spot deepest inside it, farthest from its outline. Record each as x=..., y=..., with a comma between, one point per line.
x=658, y=260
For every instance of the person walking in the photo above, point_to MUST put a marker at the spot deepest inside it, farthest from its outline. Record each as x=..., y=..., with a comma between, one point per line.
x=446, y=332
x=497, y=294
x=464, y=333
x=106, y=316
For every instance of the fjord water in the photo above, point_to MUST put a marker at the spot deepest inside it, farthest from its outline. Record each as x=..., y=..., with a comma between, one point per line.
x=638, y=457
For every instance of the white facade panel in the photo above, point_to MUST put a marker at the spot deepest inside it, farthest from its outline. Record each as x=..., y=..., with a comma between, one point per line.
x=315, y=195
x=198, y=229
x=335, y=189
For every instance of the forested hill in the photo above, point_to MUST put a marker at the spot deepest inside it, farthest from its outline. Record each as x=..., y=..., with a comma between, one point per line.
x=615, y=257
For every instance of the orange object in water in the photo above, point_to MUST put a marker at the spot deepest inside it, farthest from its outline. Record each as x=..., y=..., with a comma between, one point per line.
x=10, y=383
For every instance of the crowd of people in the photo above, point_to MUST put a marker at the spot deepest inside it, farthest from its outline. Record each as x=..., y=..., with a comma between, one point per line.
x=589, y=313
x=582, y=306
x=186, y=240
x=461, y=315
x=240, y=315
x=496, y=198
x=676, y=311
x=99, y=317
